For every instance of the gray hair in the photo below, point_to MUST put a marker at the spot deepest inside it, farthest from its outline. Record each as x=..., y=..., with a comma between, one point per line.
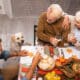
x=56, y=9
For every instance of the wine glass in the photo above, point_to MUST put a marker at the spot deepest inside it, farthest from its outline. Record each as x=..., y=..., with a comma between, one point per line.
x=59, y=37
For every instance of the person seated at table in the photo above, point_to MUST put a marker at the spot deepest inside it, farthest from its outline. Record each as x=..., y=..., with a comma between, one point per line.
x=74, y=35
x=9, y=71
x=50, y=27
x=5, y=54
x=32, y=68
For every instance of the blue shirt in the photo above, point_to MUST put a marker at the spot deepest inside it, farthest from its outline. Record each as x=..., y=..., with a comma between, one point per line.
x=5, y=54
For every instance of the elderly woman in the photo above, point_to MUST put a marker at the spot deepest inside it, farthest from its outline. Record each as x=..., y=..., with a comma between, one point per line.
x=50, y=30
x=74, y=36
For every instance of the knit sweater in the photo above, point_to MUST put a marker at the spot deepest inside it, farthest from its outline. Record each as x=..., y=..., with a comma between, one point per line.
x=46, y=30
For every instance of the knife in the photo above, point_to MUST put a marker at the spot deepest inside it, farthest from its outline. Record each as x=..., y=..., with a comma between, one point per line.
x=62, y=53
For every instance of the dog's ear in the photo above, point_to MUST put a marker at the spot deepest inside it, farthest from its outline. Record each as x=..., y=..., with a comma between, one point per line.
x=13, y=38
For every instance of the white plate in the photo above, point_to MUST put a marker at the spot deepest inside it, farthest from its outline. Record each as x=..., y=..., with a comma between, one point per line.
x=67, y=55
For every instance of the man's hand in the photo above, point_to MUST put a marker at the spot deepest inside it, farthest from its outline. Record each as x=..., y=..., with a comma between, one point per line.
x=54, y=41
x=72, y=40
x=66, y=22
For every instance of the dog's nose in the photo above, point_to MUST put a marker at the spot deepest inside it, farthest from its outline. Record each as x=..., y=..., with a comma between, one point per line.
x=22, y=41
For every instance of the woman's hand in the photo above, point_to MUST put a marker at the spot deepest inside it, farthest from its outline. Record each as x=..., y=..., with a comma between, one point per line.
x=72, y=39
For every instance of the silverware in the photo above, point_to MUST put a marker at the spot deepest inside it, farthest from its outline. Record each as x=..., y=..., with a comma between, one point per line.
x=62, y=53
x=56, y=51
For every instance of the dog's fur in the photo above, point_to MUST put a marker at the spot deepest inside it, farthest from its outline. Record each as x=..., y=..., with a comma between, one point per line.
x=17, y=41
x=10, y=70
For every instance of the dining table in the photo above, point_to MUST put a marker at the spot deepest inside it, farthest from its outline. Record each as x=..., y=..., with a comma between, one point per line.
x=56, y=53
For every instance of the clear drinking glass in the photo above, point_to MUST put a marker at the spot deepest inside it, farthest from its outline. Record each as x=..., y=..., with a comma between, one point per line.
x=59, y=37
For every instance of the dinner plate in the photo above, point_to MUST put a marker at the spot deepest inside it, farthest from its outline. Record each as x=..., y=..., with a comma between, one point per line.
x=69, y=52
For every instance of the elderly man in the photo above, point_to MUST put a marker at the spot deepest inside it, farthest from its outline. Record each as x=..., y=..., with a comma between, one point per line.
x=50, y=30
x=74, y=35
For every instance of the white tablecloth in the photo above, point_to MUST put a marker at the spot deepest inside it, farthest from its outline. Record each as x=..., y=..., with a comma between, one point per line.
x=26, y=61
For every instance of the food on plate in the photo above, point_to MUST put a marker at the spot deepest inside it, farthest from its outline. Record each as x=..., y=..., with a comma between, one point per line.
x=30, y=54
x=51, y=51
x=69, y=50
x=60, y=61
x=74, y=56
x=71, y=67
x=25, y=69
x=57, y=71
x=46, y=63
x=76, y=67
x=52, y=76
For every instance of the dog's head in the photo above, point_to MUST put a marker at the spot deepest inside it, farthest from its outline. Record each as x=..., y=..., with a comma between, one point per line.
x=18, y=38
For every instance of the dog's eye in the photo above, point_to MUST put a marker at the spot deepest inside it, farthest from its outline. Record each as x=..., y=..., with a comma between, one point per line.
x=18, y=38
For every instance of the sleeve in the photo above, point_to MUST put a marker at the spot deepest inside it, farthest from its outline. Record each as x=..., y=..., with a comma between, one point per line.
x=65, y=34
x=40, y=32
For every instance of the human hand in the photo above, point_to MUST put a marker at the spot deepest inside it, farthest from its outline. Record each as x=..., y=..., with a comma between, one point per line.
x=23, y=53
x=77, y=45
x=54, y=41
x=66, y=22
x=71, y=38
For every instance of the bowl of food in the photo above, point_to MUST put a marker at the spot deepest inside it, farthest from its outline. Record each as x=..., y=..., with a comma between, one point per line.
x=46, y=63
x=76, y=67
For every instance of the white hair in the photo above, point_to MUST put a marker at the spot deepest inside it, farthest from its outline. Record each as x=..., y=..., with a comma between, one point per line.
x=77, y=16
x=56, y=10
